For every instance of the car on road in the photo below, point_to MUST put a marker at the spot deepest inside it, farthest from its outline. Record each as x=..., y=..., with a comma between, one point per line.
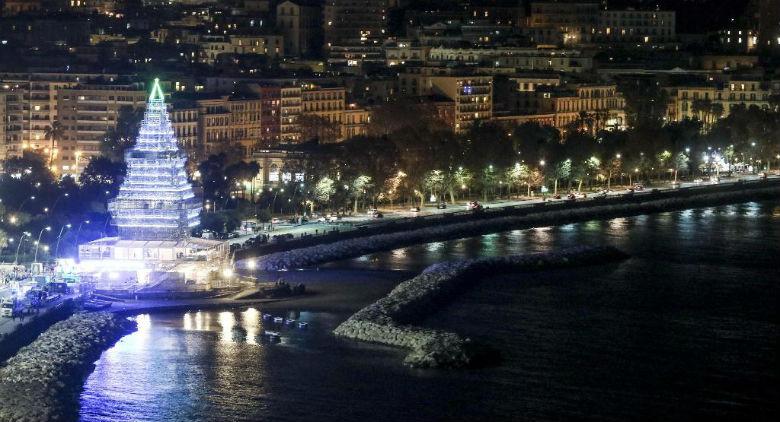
x=571, y=197
x=415, y=209
x=377, y=214
x=275, y=220
x=763, y=176
x=371, y=211
x=714, y=179
x=441, y=206
x=639, y=187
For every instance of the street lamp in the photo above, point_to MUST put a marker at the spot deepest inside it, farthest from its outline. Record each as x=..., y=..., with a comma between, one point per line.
x=31, y=198
x=21, y=240
x=38, y=242
x=59, y=236
x=78, y=231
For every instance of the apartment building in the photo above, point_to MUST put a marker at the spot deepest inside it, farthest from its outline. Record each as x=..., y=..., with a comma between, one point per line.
x=300, y=23
x=592, y=107
x=212, y=46
x=530, y=59
x=85, y=113
x=31, y=100
x=289, y=112
x=576, y=21
x=637, y=26
x=709, y=102
x=472, y=95
x=354, y=22
x=339, y=120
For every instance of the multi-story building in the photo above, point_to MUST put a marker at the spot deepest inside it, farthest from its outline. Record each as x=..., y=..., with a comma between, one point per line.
x=184, y=120
x=11, y=134
x=577, y=21
x=591, y=107
x=402, y=51
x=15, y=7
x=519, y=58
x=711, y=101
x=33, y=104
x=300, y=23
x=472, y=95
x=212, y=46
x=354, y=22
x=328, y=116
x=637, y=26
x=289, y=111
x=354, y=122
x=86, y=113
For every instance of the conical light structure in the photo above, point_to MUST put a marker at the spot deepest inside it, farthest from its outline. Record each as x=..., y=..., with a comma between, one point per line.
x=155, y=201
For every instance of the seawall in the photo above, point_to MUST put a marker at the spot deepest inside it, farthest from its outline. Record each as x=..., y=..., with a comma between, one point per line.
x=392, y=319
x=541, y=215
x=26, y=332
x=43, y=381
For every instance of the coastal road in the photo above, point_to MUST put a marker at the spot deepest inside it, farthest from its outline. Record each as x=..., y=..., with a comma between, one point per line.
x=364, y=219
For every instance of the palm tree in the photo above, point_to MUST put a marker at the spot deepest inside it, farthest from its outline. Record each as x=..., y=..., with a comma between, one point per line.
x=53, y=133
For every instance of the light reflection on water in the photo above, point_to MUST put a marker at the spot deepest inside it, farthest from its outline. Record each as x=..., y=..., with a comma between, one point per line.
x=685, y=329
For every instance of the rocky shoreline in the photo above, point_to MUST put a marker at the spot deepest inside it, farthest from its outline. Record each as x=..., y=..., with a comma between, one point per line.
x=43, y=381
x=392, y=319
x=350, y=248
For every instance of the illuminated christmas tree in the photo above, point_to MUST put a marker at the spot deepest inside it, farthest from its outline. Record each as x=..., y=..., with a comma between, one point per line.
x=155, y=201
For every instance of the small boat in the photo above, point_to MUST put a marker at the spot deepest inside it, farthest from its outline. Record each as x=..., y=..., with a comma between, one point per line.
x=303, y=325
x=289, y=322
x=278, y=320
x=271, y=333
x=267, y=317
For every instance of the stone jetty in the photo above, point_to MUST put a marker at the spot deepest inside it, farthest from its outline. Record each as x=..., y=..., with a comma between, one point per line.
x=43, y=381
x=393, y=319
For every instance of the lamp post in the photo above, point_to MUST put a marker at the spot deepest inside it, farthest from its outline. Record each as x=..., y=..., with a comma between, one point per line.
x=38, y=242
x=21, y=240
x=13, y=217
x=64, y=195
x=59, y=236
x=78, y=231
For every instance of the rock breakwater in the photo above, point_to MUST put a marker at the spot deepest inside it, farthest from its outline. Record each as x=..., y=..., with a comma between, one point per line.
x=42, y=382
x=392, y=319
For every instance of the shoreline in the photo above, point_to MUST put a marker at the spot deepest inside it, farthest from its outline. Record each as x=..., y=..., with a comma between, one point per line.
x=43, y=380
x=478, y=224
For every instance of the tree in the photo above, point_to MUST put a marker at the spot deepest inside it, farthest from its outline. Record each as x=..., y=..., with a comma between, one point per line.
x=320, y=128
x=101, y=174
x=324, y=190
x=358, y=189
x=53, y=133
x=123, y=136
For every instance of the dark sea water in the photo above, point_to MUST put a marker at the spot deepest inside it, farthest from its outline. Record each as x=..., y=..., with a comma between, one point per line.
x=686, y=329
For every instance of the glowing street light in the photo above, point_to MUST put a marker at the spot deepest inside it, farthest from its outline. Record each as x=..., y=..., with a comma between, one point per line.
x=38, y=242
x=21, y=240
x=59, y=236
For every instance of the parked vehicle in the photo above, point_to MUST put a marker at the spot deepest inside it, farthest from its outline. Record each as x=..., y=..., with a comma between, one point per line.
x=58, y=287
x=371, y=211
x=571, y=197
x=442, y=206
x=377, y=214
x=639, y=187
x=11, y=307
